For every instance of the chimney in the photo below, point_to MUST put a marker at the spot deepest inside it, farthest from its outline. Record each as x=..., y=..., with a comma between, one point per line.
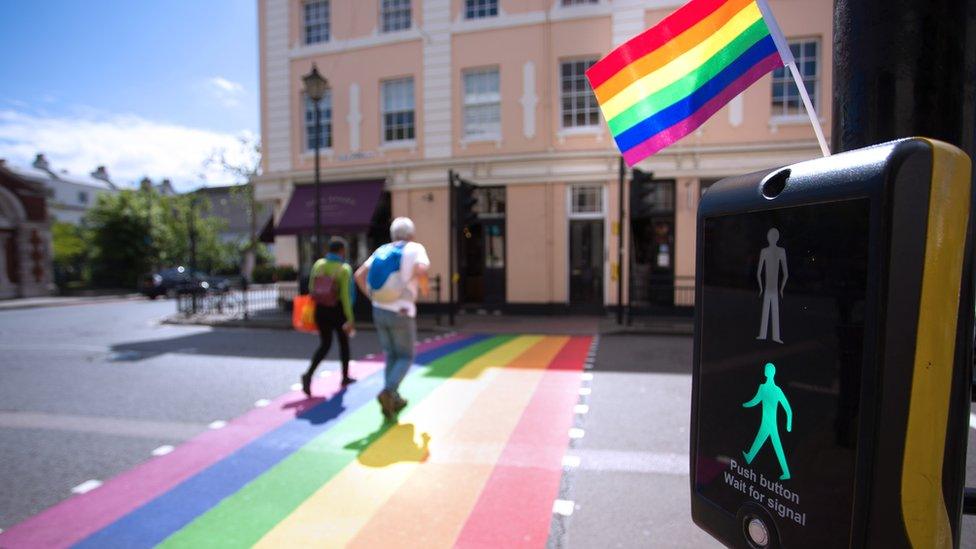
x=145, y=184
x=41, y=163
x=101, y=174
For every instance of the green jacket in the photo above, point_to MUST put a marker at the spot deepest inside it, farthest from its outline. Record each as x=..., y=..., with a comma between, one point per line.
x=341, y=272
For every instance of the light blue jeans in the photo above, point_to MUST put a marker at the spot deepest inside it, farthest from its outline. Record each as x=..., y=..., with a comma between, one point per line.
x=397, y=335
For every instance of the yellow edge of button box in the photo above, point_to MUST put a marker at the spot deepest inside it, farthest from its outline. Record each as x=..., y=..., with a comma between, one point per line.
x=924, y=508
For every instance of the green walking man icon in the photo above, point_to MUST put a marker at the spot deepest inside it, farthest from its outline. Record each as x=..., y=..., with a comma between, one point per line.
x=771, y=397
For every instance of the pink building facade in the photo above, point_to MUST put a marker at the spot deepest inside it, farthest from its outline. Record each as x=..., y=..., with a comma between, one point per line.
x=495, y=90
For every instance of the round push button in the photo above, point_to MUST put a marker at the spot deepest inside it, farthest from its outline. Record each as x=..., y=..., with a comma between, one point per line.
x=757, y=532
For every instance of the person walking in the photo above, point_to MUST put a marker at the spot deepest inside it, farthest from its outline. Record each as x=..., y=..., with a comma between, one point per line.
x=393, y=276
x=330, y=285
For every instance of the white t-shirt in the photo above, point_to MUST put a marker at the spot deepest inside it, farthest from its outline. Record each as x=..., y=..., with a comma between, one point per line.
x=413, y=254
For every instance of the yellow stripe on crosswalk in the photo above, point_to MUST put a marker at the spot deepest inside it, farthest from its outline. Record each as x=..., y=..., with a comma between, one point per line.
x=335, y=513
x=461, y=464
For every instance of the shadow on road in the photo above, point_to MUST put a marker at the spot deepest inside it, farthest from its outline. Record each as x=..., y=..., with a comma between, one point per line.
x=317, y=410
x=237, y=342
x=391, y=443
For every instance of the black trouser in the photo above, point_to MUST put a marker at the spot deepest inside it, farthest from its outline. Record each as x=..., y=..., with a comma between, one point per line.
x=328, y=320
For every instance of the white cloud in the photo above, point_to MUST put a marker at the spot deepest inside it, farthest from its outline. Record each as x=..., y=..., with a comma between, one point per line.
x=227, y=92
x=129, y=146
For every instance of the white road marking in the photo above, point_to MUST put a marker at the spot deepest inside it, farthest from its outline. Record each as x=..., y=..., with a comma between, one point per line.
x=583, y=391
x=571, y=462
x=581, y=409
x=972, y=421
x=563, y=507
x=586, y=376
x=261, y=403
x=162, y=450
x=218, y=424
x=86, y=486
x=660, y=463
x=576, y=433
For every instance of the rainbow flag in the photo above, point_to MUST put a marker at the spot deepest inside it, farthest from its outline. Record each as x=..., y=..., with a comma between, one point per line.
x=667, y=81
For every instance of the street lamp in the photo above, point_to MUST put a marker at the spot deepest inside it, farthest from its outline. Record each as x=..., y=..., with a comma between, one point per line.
x=315, y=87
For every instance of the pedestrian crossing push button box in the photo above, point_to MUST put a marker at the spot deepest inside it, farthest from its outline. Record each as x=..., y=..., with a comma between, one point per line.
x=828, y=368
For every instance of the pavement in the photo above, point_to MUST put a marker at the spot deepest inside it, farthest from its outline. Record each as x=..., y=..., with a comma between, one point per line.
x=117, y=429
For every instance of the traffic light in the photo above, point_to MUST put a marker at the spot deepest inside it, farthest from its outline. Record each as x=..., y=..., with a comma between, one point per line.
x=465, y=201
x=830, y=383
x=643, y=194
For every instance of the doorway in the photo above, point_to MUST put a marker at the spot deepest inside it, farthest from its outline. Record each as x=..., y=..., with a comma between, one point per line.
x=482, y=250
x=586, y=263
x=652, y=244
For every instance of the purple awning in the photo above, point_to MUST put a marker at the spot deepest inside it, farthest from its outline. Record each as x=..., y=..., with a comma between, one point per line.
x=346, y=207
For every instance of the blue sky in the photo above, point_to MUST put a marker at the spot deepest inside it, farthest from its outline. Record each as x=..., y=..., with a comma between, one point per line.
x=146, y=88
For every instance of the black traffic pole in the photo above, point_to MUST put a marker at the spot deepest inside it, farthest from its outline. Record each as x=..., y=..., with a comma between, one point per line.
x=318, y=185
x=621, y=175
x=908, y=68
x=191, y=225
x=452, y=242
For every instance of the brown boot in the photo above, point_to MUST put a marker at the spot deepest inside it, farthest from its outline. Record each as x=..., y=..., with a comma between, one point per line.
x=387, y=404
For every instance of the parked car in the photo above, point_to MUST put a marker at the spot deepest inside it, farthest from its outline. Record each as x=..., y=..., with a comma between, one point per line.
x=178, y=280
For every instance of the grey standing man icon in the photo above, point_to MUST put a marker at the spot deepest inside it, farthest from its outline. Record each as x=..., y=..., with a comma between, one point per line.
x=771, y=259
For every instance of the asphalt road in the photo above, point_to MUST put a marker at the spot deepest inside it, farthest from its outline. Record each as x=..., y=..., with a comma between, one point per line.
x=89, y=391
x=631, y=487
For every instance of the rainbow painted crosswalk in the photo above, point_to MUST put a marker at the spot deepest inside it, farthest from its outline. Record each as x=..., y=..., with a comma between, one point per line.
x=475, y=461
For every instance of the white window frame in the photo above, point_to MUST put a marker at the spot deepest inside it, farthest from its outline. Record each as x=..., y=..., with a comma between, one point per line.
x=326, y=23
x=570, y=203
x=384, y=111
x=783, y=76
x=399, y=10
x=466, y=14
x=325, y=105
x=485, y=99
x=573, y=95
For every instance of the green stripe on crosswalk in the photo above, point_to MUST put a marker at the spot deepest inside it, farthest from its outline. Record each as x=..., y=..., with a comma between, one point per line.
x=245, y=517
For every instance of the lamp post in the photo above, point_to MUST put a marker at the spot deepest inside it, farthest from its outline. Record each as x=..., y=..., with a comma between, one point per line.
x=315, y=87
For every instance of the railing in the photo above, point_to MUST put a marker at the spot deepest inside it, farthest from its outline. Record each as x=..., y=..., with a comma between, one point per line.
x=239, y=301
x=650, y=297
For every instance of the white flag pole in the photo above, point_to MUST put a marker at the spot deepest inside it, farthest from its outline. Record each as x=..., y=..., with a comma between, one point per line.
x=787, y=55
x=808, y=105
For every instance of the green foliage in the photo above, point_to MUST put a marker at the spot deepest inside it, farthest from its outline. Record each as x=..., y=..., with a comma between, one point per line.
x=70, y=252
x=284, y=273
x=135, y=232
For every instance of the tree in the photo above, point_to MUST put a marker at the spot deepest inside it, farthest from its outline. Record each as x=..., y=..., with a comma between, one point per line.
x=136, y=232
x=70, y=248
x=244, y=168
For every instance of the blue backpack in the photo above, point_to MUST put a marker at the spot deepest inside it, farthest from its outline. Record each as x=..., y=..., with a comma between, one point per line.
x=384, y=280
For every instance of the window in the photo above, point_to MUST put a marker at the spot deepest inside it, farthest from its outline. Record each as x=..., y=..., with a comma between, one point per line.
x=477, y=9
x=482, y=103
x=82, y=197
x=491, y=201
x=579, y=106
x=325, y=122
x=786, y=96
x=316, y=21
x=586, y=199
x=395, y=15
x=579, y=2
x=398, y=123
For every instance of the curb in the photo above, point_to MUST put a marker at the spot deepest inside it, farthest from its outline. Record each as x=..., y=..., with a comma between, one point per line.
x=14, y=305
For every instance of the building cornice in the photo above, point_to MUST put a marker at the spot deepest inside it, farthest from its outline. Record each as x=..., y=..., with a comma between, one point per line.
x=563, y=166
